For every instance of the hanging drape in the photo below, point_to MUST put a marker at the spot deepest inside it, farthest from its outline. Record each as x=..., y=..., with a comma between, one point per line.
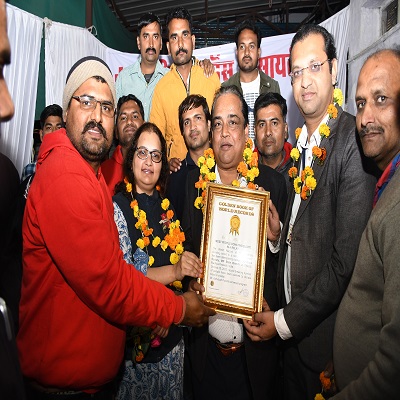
x=338, y=26
x=64, y=45
x=24, y=32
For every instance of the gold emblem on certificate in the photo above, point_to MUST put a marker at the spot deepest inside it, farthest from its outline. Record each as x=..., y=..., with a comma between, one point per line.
x=235, y=224
x=233, y=249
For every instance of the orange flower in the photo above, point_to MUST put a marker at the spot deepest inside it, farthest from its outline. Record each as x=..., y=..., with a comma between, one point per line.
x=323, y=154
x=251, y=185
x=304, y=191
x=254, y=160
x=292, y=172
x=199, y=184
x=139, y=356
x=209, y=153
x=158, y=188
x=332, y=111
x=146, y=241
x=326, y=382
x=147, y=231
x=170, y=214
x=297, y=132
x=242, y=168
x=316, y=151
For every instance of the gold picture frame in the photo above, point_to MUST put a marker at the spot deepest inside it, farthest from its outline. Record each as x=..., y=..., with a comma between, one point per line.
x=233, y=249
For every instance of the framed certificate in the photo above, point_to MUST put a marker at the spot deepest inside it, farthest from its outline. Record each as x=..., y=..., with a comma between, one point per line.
x=233, y=249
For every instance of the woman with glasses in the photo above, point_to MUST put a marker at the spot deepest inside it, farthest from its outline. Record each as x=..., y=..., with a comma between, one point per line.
x=152, y=240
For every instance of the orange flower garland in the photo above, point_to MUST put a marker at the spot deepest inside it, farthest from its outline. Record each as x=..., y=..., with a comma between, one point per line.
x=248, y=169
x=173, y=239
x=306, y=183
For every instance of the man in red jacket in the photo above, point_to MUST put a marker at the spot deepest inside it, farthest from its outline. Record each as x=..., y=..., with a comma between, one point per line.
x=77, y=292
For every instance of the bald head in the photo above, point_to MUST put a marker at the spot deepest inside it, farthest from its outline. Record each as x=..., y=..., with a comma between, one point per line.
x=378, y=106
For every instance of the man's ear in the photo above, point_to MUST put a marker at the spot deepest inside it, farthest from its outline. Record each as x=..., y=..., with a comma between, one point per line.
x=168, y=48
x=286, y=131
x=138, y=43
x=193, y=41
x=41, y=135
x=246, y=131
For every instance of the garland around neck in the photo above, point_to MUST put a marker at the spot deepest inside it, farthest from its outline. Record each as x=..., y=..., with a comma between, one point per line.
x=306, y=183
x=174, y=236
x=247, y=171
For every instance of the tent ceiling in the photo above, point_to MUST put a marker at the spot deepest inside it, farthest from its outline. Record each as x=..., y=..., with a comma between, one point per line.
x=216, y=19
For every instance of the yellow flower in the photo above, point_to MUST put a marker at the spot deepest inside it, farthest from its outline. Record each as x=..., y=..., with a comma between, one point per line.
x=179, y=249
x=255, y=171
x=164, y=244
x=297, y=132
x=177, y=285
x=142, y=216
x=201, y=161
x=177, y=223
x=140, y=243
x=297, y=185
x=129, y=187
x=212, y=176
x=151, y=261
x=324, y=130
x=156, y=241
x=319, y=396
x=338, y=97
x=310, y=182
x=165, y=204
x=204, y=169
x=235, y=183
x=198, y=202
x=210, y=162
x=247, y=154
x=308, y=171
x=204, y=185
x=295, y=154
x=174, y=258
x=136, y=210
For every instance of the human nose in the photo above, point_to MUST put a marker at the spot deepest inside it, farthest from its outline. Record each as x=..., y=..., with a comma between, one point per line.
x=6, y=103
x=366, y=115
x=96, y=113
x=224, y=130
x=305, y=78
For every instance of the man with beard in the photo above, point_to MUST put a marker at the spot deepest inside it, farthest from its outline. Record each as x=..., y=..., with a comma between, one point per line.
x=130, y=116
x=195, y=124
x=250, y=81
x=185, y=78
x=271, y=130
x=78, y=293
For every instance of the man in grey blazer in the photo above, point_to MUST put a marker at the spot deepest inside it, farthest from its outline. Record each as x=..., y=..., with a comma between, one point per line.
x=326, y=214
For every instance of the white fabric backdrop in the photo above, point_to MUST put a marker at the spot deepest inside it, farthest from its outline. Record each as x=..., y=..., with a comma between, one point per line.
x=64, y=45
x=25, y=32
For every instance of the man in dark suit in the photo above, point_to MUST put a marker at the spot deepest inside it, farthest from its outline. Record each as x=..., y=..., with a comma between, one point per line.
x=225, y=363
x=325, y=217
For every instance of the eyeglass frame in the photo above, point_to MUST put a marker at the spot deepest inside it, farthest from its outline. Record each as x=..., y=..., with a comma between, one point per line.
x=149, y=152
x=301, y=70
x=102, y=102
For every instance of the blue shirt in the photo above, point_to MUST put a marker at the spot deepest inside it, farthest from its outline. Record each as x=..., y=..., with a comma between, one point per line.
x=131, y=81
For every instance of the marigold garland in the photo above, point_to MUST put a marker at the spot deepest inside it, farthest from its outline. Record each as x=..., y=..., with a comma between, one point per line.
x=328, y=387
x=247, y=169
x=306, y=183
x=173, y=238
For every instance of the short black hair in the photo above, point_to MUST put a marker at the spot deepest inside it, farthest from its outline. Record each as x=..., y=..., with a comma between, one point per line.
x=128, y=160
x=266, y=99
x=179, y=13
x=233, y=90
x=190, y=102
x=311, y=29
x=148, y=19
x=251, y=26
x=123, y=99
x=51, y=110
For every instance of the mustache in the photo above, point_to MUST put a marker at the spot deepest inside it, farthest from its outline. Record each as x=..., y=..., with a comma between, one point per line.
x=92, y=125
x=181, y=50
x=370, y=128
x=150, y=49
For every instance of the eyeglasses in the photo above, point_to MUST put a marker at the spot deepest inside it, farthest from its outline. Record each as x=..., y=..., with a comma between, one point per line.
x=89, y=103
x=314, y=67
x=143, y=153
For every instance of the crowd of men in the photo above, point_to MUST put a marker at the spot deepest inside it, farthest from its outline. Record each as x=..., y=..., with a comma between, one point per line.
x=330, y=317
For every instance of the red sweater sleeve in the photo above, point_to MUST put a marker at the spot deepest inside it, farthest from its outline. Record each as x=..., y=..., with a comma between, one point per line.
x=75, y=219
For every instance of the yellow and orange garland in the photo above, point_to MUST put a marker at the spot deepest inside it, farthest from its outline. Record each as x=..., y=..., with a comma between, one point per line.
x=247, y=169
x=173, y=238
x=306, y=182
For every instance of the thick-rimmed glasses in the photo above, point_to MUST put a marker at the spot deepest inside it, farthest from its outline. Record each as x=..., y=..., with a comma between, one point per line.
x=314, y=67
x=143, y=153
x=89, y=103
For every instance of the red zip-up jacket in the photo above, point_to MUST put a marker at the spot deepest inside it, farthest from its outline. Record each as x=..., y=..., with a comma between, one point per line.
x=77, y=292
